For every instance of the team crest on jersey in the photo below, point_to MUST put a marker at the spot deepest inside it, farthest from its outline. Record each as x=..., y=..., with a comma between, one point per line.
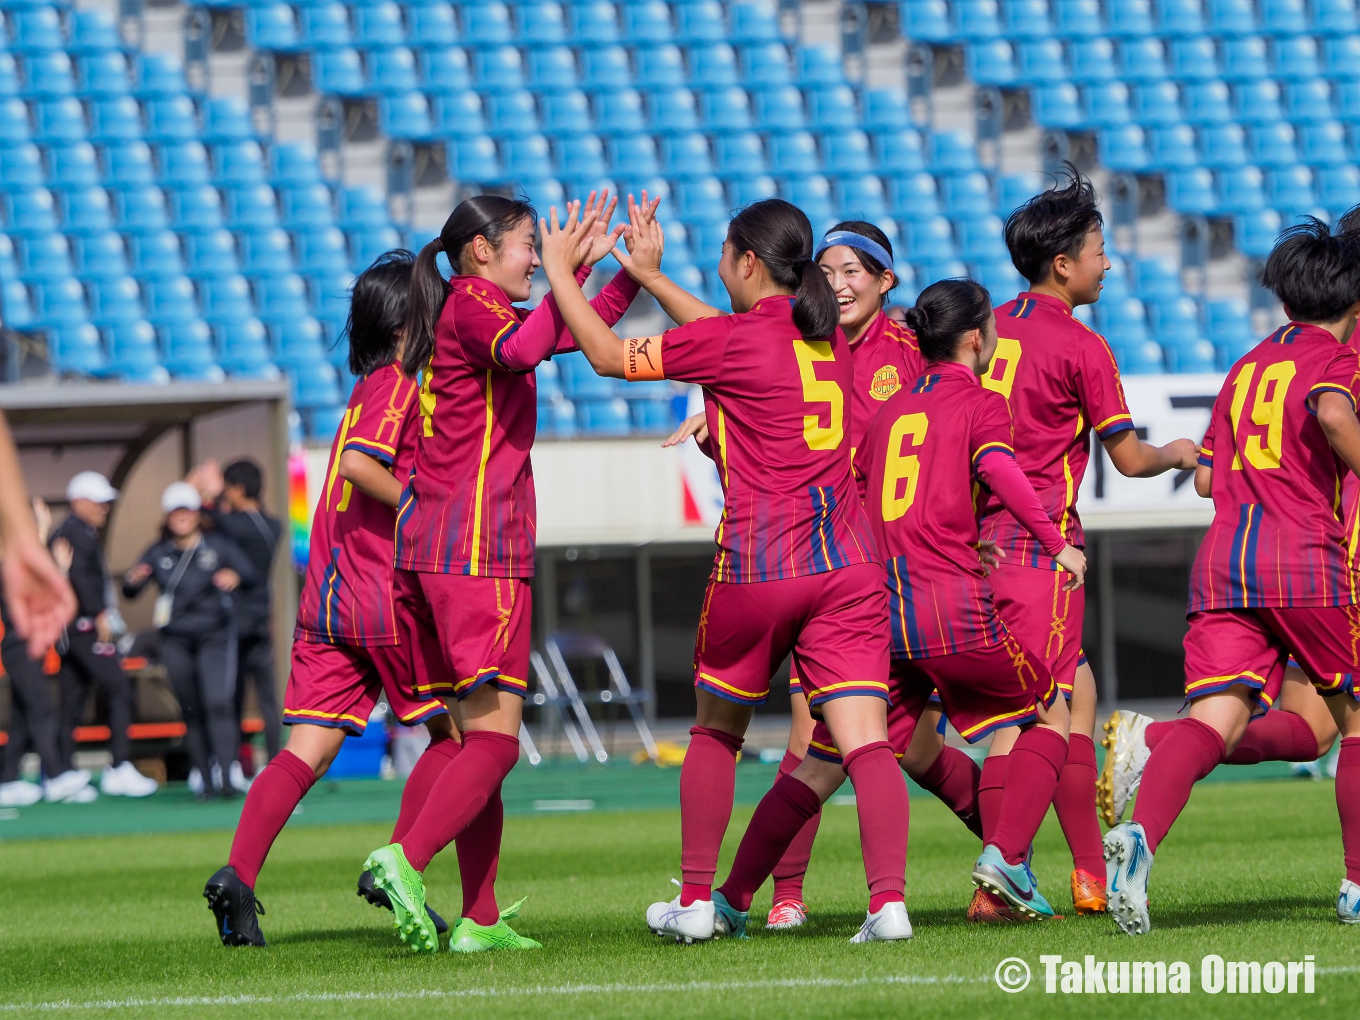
x=885, y=383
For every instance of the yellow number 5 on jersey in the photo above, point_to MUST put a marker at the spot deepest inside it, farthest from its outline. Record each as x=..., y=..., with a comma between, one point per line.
x=1267, y=409
x=820, y=391
x=898, y=467
x=1001, y=374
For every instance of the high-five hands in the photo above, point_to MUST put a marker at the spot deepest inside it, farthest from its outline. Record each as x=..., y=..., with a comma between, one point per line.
x=643, y=240
x=600, y=241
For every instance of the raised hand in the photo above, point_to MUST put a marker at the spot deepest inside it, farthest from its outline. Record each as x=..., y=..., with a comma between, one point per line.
x=601, y=240
x=565, y=244
x=40, y=599
x=644, y=240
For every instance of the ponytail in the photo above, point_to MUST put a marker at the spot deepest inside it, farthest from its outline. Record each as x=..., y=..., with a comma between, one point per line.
x=780, y=235
x=945, y=311
x=488, y=216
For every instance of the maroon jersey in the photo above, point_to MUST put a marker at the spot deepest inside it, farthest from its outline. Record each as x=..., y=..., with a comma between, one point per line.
x=779, y=426
x=920, y=459
x=886, y=359
x=1061, y=381
x=1277, y=538
x=347, y=597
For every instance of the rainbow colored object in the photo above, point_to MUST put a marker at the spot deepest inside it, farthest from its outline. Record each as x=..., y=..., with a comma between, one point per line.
x=299, y=522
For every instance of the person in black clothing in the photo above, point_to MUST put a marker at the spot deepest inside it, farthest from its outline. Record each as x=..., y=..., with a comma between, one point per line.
x=196, y=572
x=234, y=494
x=89, y=656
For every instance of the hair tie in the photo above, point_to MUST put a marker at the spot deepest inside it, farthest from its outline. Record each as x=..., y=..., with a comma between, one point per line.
x=850, y=239
x=438, y=242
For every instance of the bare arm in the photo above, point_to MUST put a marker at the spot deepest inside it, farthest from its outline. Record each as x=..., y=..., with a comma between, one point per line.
x=1339, y=424
x=370, y=476
x=1204, y=480
x=1134, y=458
x=561, y=255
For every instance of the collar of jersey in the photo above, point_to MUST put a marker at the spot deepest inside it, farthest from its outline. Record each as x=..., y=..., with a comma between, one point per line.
x=760, y=306
x=1307, y=331
x=1057, y=304
x=952, y=370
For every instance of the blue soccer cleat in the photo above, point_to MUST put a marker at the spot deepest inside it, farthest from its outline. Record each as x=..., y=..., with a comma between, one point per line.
x=1348, y=903
x=728, y=921
x=1128, y=862
x=1014, y=883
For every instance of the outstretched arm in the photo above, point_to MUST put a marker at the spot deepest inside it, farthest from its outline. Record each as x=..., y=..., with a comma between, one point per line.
x=561, y=256
x=644, y=241
x=1134, y=458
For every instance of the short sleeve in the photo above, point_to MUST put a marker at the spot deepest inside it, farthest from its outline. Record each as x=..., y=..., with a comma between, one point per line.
x=1099, y=389
x=1342, y=375
x=375, y=420
x=691, y=353
x=484, y=322
x=991, y=431
x=1206, y=446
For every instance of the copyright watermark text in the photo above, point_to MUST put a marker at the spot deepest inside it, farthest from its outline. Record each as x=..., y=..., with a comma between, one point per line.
x=1216, y=975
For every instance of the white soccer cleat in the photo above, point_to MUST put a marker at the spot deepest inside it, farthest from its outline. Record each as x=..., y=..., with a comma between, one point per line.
x=237, y=777
x=1128, y=863
x=195, y=781
x=1126, y=754
x=1348, y=903
x=890, y=924
x=20, y=794
x=126, y=781
x=694, y=923
x=69, y=787
x=787, y=914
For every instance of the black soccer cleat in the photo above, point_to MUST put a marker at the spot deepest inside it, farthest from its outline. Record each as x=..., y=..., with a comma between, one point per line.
x=369, y=890
x=234, y=905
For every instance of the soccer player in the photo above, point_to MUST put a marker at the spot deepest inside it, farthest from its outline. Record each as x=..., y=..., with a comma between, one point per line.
x=1062, y=382
x=795, y=570
x=465, y=529
x=920, y=462
x=1273, y=573
x=350, y=645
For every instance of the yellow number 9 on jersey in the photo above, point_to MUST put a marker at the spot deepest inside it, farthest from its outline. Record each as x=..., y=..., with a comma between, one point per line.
x=899, y=467
x=820, y=391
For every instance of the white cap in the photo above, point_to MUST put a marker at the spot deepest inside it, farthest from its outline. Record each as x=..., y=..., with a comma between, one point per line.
x=90, y=485
x=180, y=496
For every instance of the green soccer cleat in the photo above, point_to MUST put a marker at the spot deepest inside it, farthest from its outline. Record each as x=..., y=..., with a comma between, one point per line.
x=406, y=891
x=1013, y=883
x=470, y=937
x=728, y=921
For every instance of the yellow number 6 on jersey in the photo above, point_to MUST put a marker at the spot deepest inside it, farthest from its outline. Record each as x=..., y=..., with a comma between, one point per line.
x=898, y=467
x=820, y=391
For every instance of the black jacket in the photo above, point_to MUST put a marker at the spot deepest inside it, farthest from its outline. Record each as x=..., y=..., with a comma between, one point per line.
x=257, y=536
x=199, y=606
x=89, y=573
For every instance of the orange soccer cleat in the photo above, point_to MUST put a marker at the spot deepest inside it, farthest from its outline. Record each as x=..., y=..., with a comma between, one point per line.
x=1088, y=892
x=989, y=909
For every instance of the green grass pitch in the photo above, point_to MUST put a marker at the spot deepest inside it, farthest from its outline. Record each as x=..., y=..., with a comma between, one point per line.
x=115, y=926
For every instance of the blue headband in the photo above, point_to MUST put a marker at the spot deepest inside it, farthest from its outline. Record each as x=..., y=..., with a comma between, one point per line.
x=853, y=240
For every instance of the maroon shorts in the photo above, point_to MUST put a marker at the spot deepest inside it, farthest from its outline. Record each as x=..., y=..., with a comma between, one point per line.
x=338, y=685
x=1251, y=647
x=481, y=625
x=982, y=690
x=834, y=623
x=1046, y=619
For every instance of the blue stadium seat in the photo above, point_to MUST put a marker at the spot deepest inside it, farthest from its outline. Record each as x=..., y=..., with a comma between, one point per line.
x=812, y=194
x=552, y=68
x=1130, y=19
x=1056, y=105
x=378, y=26
x=831, y=108
x=141, y=210
x=647, y=21
x=47, y=76
x=743, y=191
x=1190, y=354
x=238, y=163
x=930, y=239
x=673, y=111
x=155, y=253
x=699, y=22
x=37, y=30
x=701, y=198
x=726, y=110
x=272, y=26
x=488, y=24
x=97, y=255
x=196, y=209
x=1322, y=143
x=337, y=72
x=1000, y=278
x=991, y=63
x=1091, y=60
x=1341, y=56
x=914, y=197
x=1040, y=61
x=1194, y=58
x=603, y=417
x=1333, y=17
x=159, y=75
x=189, y=351
x=1123, y=321
x=739, y=155
x=511, y=112
x=620, y=112
x=594, y=23
x=21, y=167
x=114, y=299
x=1241, y=190
x=171, y=119
x=1191, y=191
x=92, y=31
x=967, y=196
x=210, y=253
x=431, y=25
x=9, y=75
x=886, y=110
x=265, y=252
x=75, y=347
x=1171, y=147
x=1290, y=189
x=102, y=75
x=1284, y=17
x=633, y=156
x=981, y=239
x=1254, y=232
x=474, y=158
x=1157, y=279
x=1245, y=59
x=605, y=68
x=714, y=67
x=1257, y=102
x=952, y=152
x=579, y=381
x=925, y=20
x=659, y=67
x=580, y=157
x=252, y=207
x=56, y=121
x=1075, y=19
x=499, y=68
x=899, y=152
x=281, y=296
x=861, y=198
x=1231, y=17
x=183, y=164
x=459, y=114
x=1013, y=190
x=134, y=353
x=14, y=121
x=44, y=257
x=321, y=250
x=847, y=153
x=1123, y=148
x=1222, y=146
x=1106, y=104
x=30, y=212
x=766, y=65
x=1142, y=59
x=1295, y=58
x=1206, y=102
x=687, y=155
x=753, y=21
x=1308, y=100
x=225, y=297
x=58, y=302
x=111, y=120
x=127, y=164
x=1180, y=17
x=325, y=26
x=566, y=112
x=779, y=109
x=246, y=355
x=444, y=70
x=976, y=19
x=819, y=67
x=1273, y=145
x=1027, y=18
x=293, y=163
x=1337, y=187
x=392, y=72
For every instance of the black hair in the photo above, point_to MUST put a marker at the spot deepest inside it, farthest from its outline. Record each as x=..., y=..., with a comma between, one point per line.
x=780, y=235
x=1052, y=223
x=866, y=229
x=1349, y=222
x=489, y=216
x=1314, y=272
x=945, y=311
x=378, y=306
x=247, y=474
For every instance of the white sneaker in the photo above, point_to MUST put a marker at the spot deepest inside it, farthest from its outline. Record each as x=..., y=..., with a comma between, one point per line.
x=1126, y=754
x=67, y=785
x=126, y=781
x=20, y=794
x=787, y=914
x=87, y=794
x=891, y=923
x=1348, y=903
x=237, y=777
x=195, y=782
x=693, y=923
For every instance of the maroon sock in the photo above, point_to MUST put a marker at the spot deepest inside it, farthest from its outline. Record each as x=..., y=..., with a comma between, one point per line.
x=884, y=816
x=991, y=783
x=479, y=854
x=954, y=778
x=1348, y=804
x=1185, y=755
x=788, y=873
x=463, y=789
x=1075, y=804
x=1031, y=780
x=779, y=818
x=272, y=797
x=1275, y=736
x=1156, y=732
x=432, y=761
x=708, y=781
